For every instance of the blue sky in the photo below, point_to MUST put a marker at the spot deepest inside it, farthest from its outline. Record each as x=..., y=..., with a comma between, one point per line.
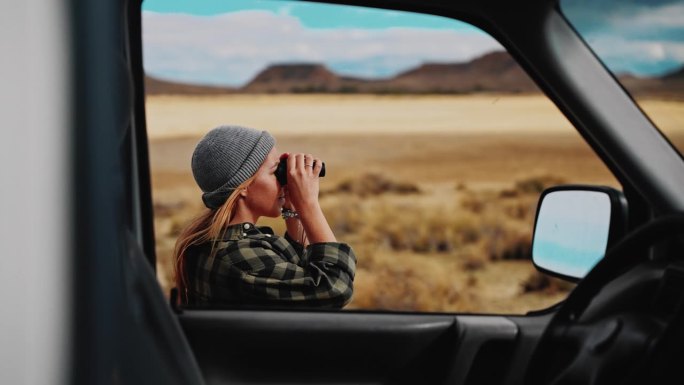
x=318, y=16
x=229, y=42
x=644, y=37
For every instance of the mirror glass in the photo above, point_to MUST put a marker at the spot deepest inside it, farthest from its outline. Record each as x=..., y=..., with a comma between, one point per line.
x=572, y=230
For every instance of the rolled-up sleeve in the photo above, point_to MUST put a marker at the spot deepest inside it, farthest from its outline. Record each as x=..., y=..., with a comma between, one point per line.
x=262, y=273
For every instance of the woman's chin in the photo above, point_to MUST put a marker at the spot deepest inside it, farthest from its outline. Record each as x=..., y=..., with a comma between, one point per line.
x=276, y=212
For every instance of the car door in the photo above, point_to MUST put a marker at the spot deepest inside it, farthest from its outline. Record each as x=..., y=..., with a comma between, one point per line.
x=271, y=346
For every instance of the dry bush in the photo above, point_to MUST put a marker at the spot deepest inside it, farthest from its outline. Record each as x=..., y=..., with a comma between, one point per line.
x=502, y=243
x=416, y=251
x=373, y=184
x=532, y=185
x=496, y=229
x=344, y=214
x=540, y=282
x=473, y=257
x=406, y=282
x=417, y=228
x=167, y=209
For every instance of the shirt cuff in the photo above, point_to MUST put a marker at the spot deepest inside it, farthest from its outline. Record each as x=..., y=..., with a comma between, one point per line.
x=334, y=253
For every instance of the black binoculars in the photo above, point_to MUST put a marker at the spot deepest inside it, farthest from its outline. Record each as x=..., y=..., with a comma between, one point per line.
x=281, y=171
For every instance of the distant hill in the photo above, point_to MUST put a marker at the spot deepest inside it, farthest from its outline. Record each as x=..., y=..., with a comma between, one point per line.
x=303, y=77
x=675, y=75
x=154, y=86
x=492, y=72
x=496, y=72
x=669, y=86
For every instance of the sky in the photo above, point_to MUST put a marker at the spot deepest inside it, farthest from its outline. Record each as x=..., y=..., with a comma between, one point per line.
x=642, y=37
x=222, y=42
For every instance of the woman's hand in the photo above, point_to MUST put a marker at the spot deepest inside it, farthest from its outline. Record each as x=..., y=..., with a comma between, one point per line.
x=303, y=183
x=301, y=193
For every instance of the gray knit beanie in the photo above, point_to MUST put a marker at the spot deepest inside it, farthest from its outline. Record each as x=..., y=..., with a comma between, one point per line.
x=225, y=158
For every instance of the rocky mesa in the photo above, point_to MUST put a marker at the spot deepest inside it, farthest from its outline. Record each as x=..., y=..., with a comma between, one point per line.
x=495, y=72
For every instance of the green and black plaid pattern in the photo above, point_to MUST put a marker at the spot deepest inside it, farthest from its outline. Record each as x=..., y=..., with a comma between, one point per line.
x=254, y=267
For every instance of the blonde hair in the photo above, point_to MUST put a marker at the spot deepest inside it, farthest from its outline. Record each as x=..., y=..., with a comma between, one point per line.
x=207, y=227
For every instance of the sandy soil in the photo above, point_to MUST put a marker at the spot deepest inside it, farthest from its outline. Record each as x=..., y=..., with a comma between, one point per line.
x=360, y=114
x=484, y=144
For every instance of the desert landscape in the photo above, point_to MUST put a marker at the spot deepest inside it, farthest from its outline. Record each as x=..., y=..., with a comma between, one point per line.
x=436, y=193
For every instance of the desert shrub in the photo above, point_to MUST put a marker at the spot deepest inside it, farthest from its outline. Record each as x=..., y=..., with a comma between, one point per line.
x=523, y=208
x=519, y=246
x=405, y=282
x=344, y=215
x=417, y=251
x=473, y=257
x=502, y=243
x=537, y=184
x=479, y=202
x=418, y=229
x=166, y=209
x=421, y=228
x=509, y=193
x=540, y=282
x=466, y=227
x=533, y=185
x=373, y=184
x=473, y=204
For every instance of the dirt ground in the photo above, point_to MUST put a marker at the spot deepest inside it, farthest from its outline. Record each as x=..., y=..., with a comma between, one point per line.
x=471, y=159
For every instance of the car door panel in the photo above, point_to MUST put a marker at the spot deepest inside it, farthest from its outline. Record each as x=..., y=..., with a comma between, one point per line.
x=269, y=347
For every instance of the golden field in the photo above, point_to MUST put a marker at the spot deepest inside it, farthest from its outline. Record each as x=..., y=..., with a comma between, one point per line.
x=436, y=194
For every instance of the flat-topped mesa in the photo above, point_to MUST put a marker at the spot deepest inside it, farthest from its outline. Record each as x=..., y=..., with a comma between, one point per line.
x=494, y=72
x=295, y=77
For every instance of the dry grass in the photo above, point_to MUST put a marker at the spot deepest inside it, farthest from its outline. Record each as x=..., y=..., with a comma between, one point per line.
x=439, y=216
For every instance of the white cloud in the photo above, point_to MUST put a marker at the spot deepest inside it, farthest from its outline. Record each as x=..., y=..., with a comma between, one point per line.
x=645, y=57
x=649, y=18
x=644, y=40
x=231, y=48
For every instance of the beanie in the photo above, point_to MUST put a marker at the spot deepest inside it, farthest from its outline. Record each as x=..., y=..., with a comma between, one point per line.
x=225, y=158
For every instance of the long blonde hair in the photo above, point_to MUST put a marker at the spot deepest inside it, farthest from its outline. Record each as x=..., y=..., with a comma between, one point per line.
x=207, y=227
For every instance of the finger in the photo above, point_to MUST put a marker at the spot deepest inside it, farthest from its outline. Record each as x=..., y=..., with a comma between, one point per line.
x=308, y=162
x=292, y=162
x=300, y=161
x=318, y=165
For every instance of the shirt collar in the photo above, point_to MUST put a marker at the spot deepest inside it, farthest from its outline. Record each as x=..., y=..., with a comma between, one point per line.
x=241, y=230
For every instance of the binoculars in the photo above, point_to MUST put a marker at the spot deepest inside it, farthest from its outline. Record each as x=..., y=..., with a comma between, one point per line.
x=281, y=171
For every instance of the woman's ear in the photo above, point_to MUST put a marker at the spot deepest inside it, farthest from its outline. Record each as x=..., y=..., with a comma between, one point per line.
x=243, y=192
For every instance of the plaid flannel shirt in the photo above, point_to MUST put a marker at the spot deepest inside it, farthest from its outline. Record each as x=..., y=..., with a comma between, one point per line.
x=252, y=266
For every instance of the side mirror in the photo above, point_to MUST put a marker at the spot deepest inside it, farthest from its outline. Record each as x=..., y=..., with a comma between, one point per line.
x=574, y=227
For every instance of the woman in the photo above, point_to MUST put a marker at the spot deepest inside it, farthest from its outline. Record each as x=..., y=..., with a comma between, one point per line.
x=222, y=258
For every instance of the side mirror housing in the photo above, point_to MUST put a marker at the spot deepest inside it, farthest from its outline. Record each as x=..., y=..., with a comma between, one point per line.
x=574, y=227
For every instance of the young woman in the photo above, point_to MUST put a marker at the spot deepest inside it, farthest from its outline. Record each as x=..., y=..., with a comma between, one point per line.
x=222, y=258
